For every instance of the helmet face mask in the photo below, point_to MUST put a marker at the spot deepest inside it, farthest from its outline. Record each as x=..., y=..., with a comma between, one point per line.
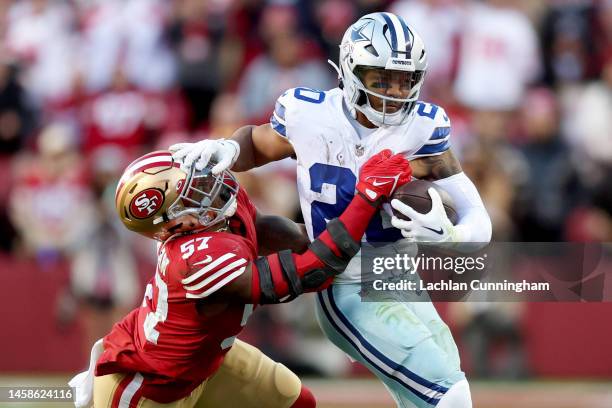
x=381, y=80
x=154, y=191
x=389, y=92
x=209, y=197
x=383, y=44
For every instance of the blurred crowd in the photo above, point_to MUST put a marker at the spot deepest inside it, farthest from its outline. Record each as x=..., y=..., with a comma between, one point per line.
x=88, y=85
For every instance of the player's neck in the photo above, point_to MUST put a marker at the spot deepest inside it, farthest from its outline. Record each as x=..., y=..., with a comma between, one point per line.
x=365, y=122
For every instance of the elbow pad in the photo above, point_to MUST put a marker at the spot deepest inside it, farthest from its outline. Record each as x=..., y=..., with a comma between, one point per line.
x=283, y=276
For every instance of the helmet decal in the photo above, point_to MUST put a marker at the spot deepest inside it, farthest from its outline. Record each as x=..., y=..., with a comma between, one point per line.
x=154, y=190
x=398, y=33
x=147, y=203
x=358, y=34
x=389, y=31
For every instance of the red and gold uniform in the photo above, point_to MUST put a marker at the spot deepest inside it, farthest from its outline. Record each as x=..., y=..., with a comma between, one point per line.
x=179, y=348
x=169, y=348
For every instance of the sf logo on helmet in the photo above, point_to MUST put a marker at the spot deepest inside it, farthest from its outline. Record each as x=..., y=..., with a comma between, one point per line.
x=146, y=203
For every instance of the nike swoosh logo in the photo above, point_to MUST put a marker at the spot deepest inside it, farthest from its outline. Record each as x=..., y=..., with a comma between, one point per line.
x=439, y=232
x=377, y=184
x=207, y=260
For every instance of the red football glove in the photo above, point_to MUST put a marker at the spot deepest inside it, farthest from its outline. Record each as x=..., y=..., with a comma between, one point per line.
x=382, y=174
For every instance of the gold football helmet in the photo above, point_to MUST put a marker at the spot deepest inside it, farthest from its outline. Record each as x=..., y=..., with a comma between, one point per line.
x=154, y=190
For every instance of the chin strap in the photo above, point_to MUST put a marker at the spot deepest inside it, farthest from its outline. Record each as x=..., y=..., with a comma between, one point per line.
x=333, y=64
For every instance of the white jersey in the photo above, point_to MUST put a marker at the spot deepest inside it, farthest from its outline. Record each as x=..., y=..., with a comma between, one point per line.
x=330, y=154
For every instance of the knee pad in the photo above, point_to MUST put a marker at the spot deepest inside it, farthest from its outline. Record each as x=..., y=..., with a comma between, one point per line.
x=286, y=382
x=262, y=377
x=242, y=361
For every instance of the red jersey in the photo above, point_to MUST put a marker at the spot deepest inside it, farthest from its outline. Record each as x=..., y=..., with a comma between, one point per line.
x=177, y=338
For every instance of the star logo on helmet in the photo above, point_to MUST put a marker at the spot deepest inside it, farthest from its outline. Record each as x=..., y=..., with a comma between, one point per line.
x=357, y=33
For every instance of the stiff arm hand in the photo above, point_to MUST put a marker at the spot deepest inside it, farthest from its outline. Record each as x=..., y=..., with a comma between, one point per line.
x=223, y=152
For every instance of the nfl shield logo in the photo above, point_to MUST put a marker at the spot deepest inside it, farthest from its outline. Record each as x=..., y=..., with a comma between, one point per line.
x=359, y=150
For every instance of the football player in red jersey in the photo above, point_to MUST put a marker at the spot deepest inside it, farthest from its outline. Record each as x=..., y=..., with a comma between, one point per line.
x=179, y=347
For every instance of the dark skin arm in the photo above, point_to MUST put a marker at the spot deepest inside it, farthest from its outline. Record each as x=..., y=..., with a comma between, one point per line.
x=435, y=167
x=260, y=145
x=276, y=233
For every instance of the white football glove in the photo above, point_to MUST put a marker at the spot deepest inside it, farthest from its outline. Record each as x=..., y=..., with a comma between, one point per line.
x=433, y=226
x=224, y=152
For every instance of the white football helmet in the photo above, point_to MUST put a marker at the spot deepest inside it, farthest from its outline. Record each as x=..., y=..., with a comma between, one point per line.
x=154, y=190
x=383, y=42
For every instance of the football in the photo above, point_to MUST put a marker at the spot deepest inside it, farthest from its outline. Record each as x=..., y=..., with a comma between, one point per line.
x=416, y=196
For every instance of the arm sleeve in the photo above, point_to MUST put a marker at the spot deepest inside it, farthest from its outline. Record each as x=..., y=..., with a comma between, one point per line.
x=282, y=276
x=474, y=224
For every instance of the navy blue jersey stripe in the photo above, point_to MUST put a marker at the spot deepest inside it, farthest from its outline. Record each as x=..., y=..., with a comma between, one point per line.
x=440, y=133
x=279, y=109
x=398, y=367
x=276, y=125
x=332, y=316
x=434, y=148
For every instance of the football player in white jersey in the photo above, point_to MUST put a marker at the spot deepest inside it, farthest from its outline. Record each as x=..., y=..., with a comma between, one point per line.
x=331, y=134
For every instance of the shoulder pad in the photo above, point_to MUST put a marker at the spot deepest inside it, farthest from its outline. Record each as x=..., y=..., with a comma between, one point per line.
x=212, y=261
x=278, y=120
x=436, y=125
x=291, y=101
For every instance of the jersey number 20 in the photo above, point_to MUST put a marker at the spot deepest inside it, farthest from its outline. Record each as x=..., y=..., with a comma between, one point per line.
x=344, y=181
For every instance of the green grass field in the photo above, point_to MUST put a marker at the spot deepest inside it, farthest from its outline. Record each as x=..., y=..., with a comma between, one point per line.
x=369, y=393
